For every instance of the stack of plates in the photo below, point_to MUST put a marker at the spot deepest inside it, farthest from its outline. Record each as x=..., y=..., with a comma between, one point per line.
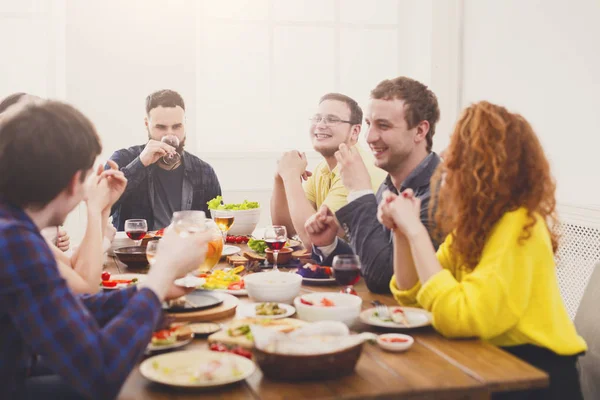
x=120, y=240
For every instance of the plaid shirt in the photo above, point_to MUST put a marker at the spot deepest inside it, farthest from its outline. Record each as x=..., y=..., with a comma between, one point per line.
x=92, y=342
x=370, y=240
x=200, y=184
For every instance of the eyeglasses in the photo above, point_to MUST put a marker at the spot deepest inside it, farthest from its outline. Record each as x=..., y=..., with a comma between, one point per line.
x=329, y=120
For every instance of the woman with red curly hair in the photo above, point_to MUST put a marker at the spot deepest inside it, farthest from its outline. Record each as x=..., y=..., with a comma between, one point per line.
x=494, y=275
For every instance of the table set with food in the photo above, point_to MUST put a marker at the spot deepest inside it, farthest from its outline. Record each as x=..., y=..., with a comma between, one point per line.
x=267, y=321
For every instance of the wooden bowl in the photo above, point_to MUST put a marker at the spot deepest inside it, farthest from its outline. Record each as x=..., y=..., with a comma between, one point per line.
x=133, y=256
x=286, y=367
x=284, y=256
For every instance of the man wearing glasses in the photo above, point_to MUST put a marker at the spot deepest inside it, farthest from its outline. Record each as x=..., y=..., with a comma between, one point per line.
x=401, y=121
x=337, y=121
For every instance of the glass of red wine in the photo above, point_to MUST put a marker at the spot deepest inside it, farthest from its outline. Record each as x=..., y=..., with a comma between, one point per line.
x=275, y=238
x=346, y=271
x=136, y=229
x=171, y=159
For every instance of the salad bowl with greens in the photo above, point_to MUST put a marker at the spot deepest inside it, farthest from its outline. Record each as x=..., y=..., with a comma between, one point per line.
x=246, y=214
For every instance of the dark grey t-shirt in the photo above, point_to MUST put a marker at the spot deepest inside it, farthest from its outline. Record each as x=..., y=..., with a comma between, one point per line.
x=168, y=186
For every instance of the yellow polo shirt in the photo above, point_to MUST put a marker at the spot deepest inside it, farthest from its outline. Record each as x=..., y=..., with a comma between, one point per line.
x=326, y=187
x=510, y=298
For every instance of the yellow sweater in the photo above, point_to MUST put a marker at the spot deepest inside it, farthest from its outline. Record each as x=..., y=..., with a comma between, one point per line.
x=510, y=298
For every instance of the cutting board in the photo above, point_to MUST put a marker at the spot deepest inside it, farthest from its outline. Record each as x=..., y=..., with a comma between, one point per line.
x=224, y=310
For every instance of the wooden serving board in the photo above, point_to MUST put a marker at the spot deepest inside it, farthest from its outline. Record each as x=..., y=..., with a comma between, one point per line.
x=224, y=310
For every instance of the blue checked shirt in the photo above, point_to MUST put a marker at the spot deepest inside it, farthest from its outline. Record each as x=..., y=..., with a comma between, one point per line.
x=92, y=342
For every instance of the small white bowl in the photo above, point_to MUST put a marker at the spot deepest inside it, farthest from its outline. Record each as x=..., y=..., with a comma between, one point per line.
x=395, y=346
x=274, y=286
x=346, y=309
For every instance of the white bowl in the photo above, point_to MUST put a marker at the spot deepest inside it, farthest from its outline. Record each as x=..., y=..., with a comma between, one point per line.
x=274, y=286
x=395, y=346
x=346, y=307
x=244, y=221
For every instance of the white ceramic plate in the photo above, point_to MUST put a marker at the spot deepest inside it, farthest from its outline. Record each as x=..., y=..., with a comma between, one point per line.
x=416, y=318
x=230, y=250
x=241, y=292
x=179, y=368
x=249, y=310
x=177, y=344
x=318, y=280
x=190, y=281
x=140, y=278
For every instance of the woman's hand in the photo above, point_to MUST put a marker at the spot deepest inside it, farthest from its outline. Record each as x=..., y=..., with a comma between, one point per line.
x=400, y=213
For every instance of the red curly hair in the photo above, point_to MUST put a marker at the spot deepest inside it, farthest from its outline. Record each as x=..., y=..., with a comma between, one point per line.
x=494, y=164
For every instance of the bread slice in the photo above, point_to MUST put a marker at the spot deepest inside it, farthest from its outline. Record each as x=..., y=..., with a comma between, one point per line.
x=253, y=256
x=233, y=260
x=184, y=333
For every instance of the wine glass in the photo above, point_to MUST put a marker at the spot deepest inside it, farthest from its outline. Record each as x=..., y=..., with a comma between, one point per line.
x=151, y=251
x=346, y=271
x=136, y=229
x=171, y=140
x=224, y=220
x=275, y=238
x=188, y=222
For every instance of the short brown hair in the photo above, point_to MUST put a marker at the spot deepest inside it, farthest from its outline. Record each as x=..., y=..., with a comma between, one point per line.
x=10, y=100
x=41, y=147
x=164, y=98
x=356, y=113
x=421, y=102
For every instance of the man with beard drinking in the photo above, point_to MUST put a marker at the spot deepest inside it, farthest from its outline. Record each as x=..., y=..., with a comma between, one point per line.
x=162, y=177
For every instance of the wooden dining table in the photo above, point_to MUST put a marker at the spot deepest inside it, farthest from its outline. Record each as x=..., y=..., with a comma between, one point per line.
x=433, y=368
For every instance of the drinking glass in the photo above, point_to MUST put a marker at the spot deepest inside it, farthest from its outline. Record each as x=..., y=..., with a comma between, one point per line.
x=224, y=220
x=151, y=251
x=275, y=238
x=346, y=271
x=171, y=140
x=187, y=222
x=136, y=229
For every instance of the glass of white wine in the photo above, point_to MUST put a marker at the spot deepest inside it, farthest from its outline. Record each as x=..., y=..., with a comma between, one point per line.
x=224, y=220
x=151, y=250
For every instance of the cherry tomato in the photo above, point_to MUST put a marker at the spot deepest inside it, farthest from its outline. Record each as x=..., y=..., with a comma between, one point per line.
x=239, y=239
x=106, y=276
x=325, y=302
x=395, y=340
x=217, y=347
x=236, y=285
x=109, y=283
x=164, y=334
x=246, y=239
x=240, y=351
x=308, y=303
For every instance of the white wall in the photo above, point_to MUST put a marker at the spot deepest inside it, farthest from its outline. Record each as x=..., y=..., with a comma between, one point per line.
x=542, y=59
x=251, y=71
